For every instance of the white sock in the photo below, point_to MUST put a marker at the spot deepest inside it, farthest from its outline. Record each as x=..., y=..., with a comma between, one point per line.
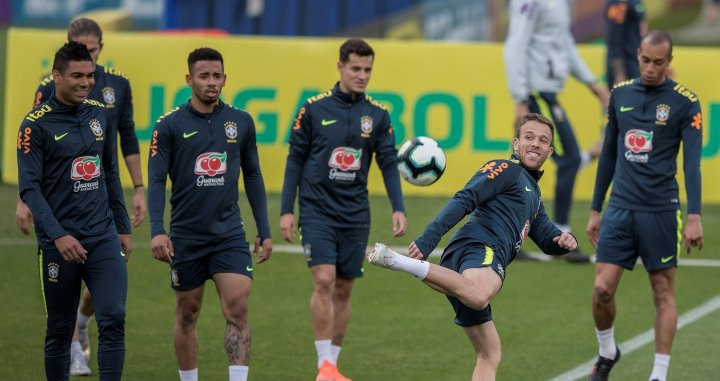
x=239, y=372
x=189, y=375
x=335, y=350
x=412, y=266
x=324, y=351
x=76, y=348
x=82, y=321
x=606, y=342
x=660, y=367
x=563, y=228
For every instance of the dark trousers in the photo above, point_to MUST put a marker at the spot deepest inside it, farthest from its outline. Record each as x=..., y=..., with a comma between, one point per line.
x=105, y=274
x=566, y=154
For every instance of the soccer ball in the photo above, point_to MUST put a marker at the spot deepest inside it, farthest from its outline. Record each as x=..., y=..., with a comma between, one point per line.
x=421, y=161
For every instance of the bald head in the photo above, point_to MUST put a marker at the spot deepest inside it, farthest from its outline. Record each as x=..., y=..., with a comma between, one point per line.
x=658, y=37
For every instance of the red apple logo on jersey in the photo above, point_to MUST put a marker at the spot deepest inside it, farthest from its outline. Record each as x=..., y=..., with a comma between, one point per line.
x=638, y=141
x=211, y=163
x=85, y=168
x=345, y=158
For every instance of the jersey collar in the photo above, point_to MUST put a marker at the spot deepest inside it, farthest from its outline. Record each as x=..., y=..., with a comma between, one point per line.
x=535, y=173
x=346, y=97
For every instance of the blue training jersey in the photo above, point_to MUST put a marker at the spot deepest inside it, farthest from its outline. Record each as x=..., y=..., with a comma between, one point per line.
x=203, y=155
x=67, y=173
x=639, y=156
x=623, y=19
x=505, y=206
x=112, y=89
x=331, y=148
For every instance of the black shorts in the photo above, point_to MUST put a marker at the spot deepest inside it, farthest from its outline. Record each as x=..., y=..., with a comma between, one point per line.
x=626, y=235
x=342, y=247
x=473, y=255
x=194, y=261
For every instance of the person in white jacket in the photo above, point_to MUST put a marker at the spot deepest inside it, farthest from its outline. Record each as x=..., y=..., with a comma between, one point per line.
x=539, y=55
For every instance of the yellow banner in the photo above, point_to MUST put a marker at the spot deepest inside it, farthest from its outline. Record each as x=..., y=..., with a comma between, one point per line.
x=454, y=93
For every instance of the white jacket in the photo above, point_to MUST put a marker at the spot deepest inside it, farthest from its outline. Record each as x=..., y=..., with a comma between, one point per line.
x=540, y=49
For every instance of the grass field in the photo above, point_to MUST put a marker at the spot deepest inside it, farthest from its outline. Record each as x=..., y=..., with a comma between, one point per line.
x=400, y=329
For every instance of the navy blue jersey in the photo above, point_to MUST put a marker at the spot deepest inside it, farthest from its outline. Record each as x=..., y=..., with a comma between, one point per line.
x=623, y=19
x=203, y=155
x=331, y=149
x=505, y=206
x=67, y=172
x=112, y=89
x=639, y=156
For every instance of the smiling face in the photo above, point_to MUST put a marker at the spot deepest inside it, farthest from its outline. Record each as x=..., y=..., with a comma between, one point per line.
x=355, y=73
x=74, y=83
x=533, y=144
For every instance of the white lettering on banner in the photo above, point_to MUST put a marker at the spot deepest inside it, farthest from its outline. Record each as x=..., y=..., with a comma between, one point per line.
x=203, y=181
x=84, y=187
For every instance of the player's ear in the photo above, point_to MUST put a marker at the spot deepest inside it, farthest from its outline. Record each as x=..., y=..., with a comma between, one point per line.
x=187, y=78
x=516, y=144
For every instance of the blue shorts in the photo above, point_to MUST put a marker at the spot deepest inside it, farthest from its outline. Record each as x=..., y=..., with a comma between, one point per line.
x=470, y=256
x=194, y=261
x=626, y=235
x=342, y=247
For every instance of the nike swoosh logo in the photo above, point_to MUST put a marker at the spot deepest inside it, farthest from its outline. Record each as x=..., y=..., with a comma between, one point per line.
x=58, y=137
x=623, y=108
x=122, y=253
x=527, y=189
x=187, y=135
x=666, y=259
x=328, y=122
x=248, y=268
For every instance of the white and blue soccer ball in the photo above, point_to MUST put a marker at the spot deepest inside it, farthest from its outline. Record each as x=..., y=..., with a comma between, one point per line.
x=421, y=161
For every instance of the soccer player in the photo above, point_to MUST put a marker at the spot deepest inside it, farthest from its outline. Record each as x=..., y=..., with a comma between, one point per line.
x=625, y=20
x=539, y=55
x=332, y=144
x=505, y=207
x=648, y=119
x=68, y=177
x=113, y=90
x=202, y=146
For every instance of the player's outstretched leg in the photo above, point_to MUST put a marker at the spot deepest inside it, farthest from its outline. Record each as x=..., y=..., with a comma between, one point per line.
x=383, y=256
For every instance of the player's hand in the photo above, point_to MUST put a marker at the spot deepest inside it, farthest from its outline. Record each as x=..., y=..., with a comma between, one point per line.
x=414, y=252
x=520, y=110
x=693, y=233
x=288, y=227
x=138, y=207
x=399, y=223
x=266, y=250
x=126, y=243
x=593, y=227
x=70, y=249
x=23, y=217
x=162, y=248
x=566, y=241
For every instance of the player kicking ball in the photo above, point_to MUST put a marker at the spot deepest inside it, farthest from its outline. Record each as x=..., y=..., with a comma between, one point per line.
x=504, y=201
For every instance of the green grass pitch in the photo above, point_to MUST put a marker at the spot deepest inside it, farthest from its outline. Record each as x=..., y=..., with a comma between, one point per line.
x=400, y=329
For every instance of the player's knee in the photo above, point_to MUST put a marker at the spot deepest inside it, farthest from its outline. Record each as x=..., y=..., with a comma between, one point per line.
x=489, y=358
x=186, y=314
x=602, y=294
x=236, y=310
x=477, y=300
x=324, y=284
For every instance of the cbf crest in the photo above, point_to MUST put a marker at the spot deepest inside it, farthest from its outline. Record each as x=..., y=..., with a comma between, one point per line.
x=366, y=126
x=662, y=114
x=109, y=96
x=231, y=131
x=53, y=271
x=96, y=128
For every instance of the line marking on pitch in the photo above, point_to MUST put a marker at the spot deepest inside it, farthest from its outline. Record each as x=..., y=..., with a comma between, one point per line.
x=635, y=343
